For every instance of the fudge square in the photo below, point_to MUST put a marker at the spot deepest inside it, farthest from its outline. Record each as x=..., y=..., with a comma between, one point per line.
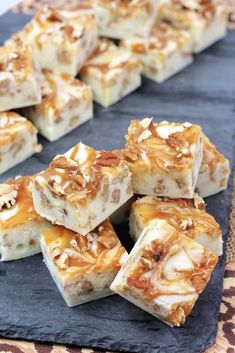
x=165, y=273
x=214, y=172
x=20, y=225
x=112, y=72
x=83, y=267
x=187, y=216
x=19, y=78
x=118, y=18
x=205, y=20
x=62, y=40
x=18, y=140
x=164, y=158
x=164, y=53
x=81, y=188
x=66, y=104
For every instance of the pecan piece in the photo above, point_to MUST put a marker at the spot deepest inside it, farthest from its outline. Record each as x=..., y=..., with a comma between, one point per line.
x=107, y=159
x=8, y=196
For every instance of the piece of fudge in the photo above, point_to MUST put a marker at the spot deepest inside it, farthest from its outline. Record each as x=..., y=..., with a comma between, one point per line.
x=164, y=158
x=18, y=140
x=20, y=225
x=187, y=216
x=165, y=273
x=164, y=53
x=81, y=188
x=111, y=72
x=204, y=19
x=117, y=19
x=83, y=267
x=19, y=78
x=62, y=40
x=121, y=215
x=66, y=104
x=214, y=172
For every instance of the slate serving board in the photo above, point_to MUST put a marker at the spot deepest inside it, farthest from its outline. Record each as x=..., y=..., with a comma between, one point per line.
x=32, y=308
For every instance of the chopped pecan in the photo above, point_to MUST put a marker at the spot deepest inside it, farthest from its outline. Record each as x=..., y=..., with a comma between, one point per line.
x=107, y=159
x=8, y=196
x=116, y=196
x=144, y=135
x=62, y=162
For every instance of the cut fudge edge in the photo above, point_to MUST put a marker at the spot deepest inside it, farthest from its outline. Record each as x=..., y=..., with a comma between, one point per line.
x=56, y=277
x=58, y=217
x=196, y=163
x=27, y=232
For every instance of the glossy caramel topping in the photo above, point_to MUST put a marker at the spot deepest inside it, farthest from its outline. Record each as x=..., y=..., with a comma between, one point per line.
x=16, y=62
x=64, y=25
x=180, y=214
x=75, y=254
x=23, y=210
x=163, y=37
x=108, y=57
x=80, y=171
x=170, y=146
x=11, y=125
x=188, y=12
x=60, y=92
x=127, y=8
x=158, y=269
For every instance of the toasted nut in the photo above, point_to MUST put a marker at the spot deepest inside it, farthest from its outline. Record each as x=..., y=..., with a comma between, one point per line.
x=116, y=196
x=144, y=136
x=8, y=196
x=107, y=159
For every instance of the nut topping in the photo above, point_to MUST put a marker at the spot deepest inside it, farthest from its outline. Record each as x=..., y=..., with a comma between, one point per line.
x=7, y=196
x=144, y=136
x=107, y=159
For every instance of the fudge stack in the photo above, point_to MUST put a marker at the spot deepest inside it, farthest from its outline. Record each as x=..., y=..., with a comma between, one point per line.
x=64, y=212
x=39, y=65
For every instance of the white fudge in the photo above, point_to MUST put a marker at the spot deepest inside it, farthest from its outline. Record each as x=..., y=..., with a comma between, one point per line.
x=62, y=40
x=117, y=19
x=82, y=188
x=187, y=216
x=83, y=267
x=112, y=73
x=214, y=172
x=164, y=158
x=19, y=78
x=18, y=140
x=66, y=104
x=165, y=273
x=206, y=20
x=20, y=225
x=164, y=53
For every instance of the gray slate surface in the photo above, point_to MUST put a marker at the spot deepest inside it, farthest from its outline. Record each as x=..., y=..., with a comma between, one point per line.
x=31, y=306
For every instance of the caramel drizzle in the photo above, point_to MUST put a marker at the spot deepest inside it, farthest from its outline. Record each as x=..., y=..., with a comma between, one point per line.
x=107, y=46
x=19, y=60
x=158, y=252
x=161, y=35
x=127, y=8
x=14, y=122
x=161, y=151
x=174, y=214
x=93, y=258
x=25, y=212
x=72, y=175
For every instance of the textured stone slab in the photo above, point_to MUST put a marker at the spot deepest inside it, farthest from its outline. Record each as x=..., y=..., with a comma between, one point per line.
x=31, y=306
